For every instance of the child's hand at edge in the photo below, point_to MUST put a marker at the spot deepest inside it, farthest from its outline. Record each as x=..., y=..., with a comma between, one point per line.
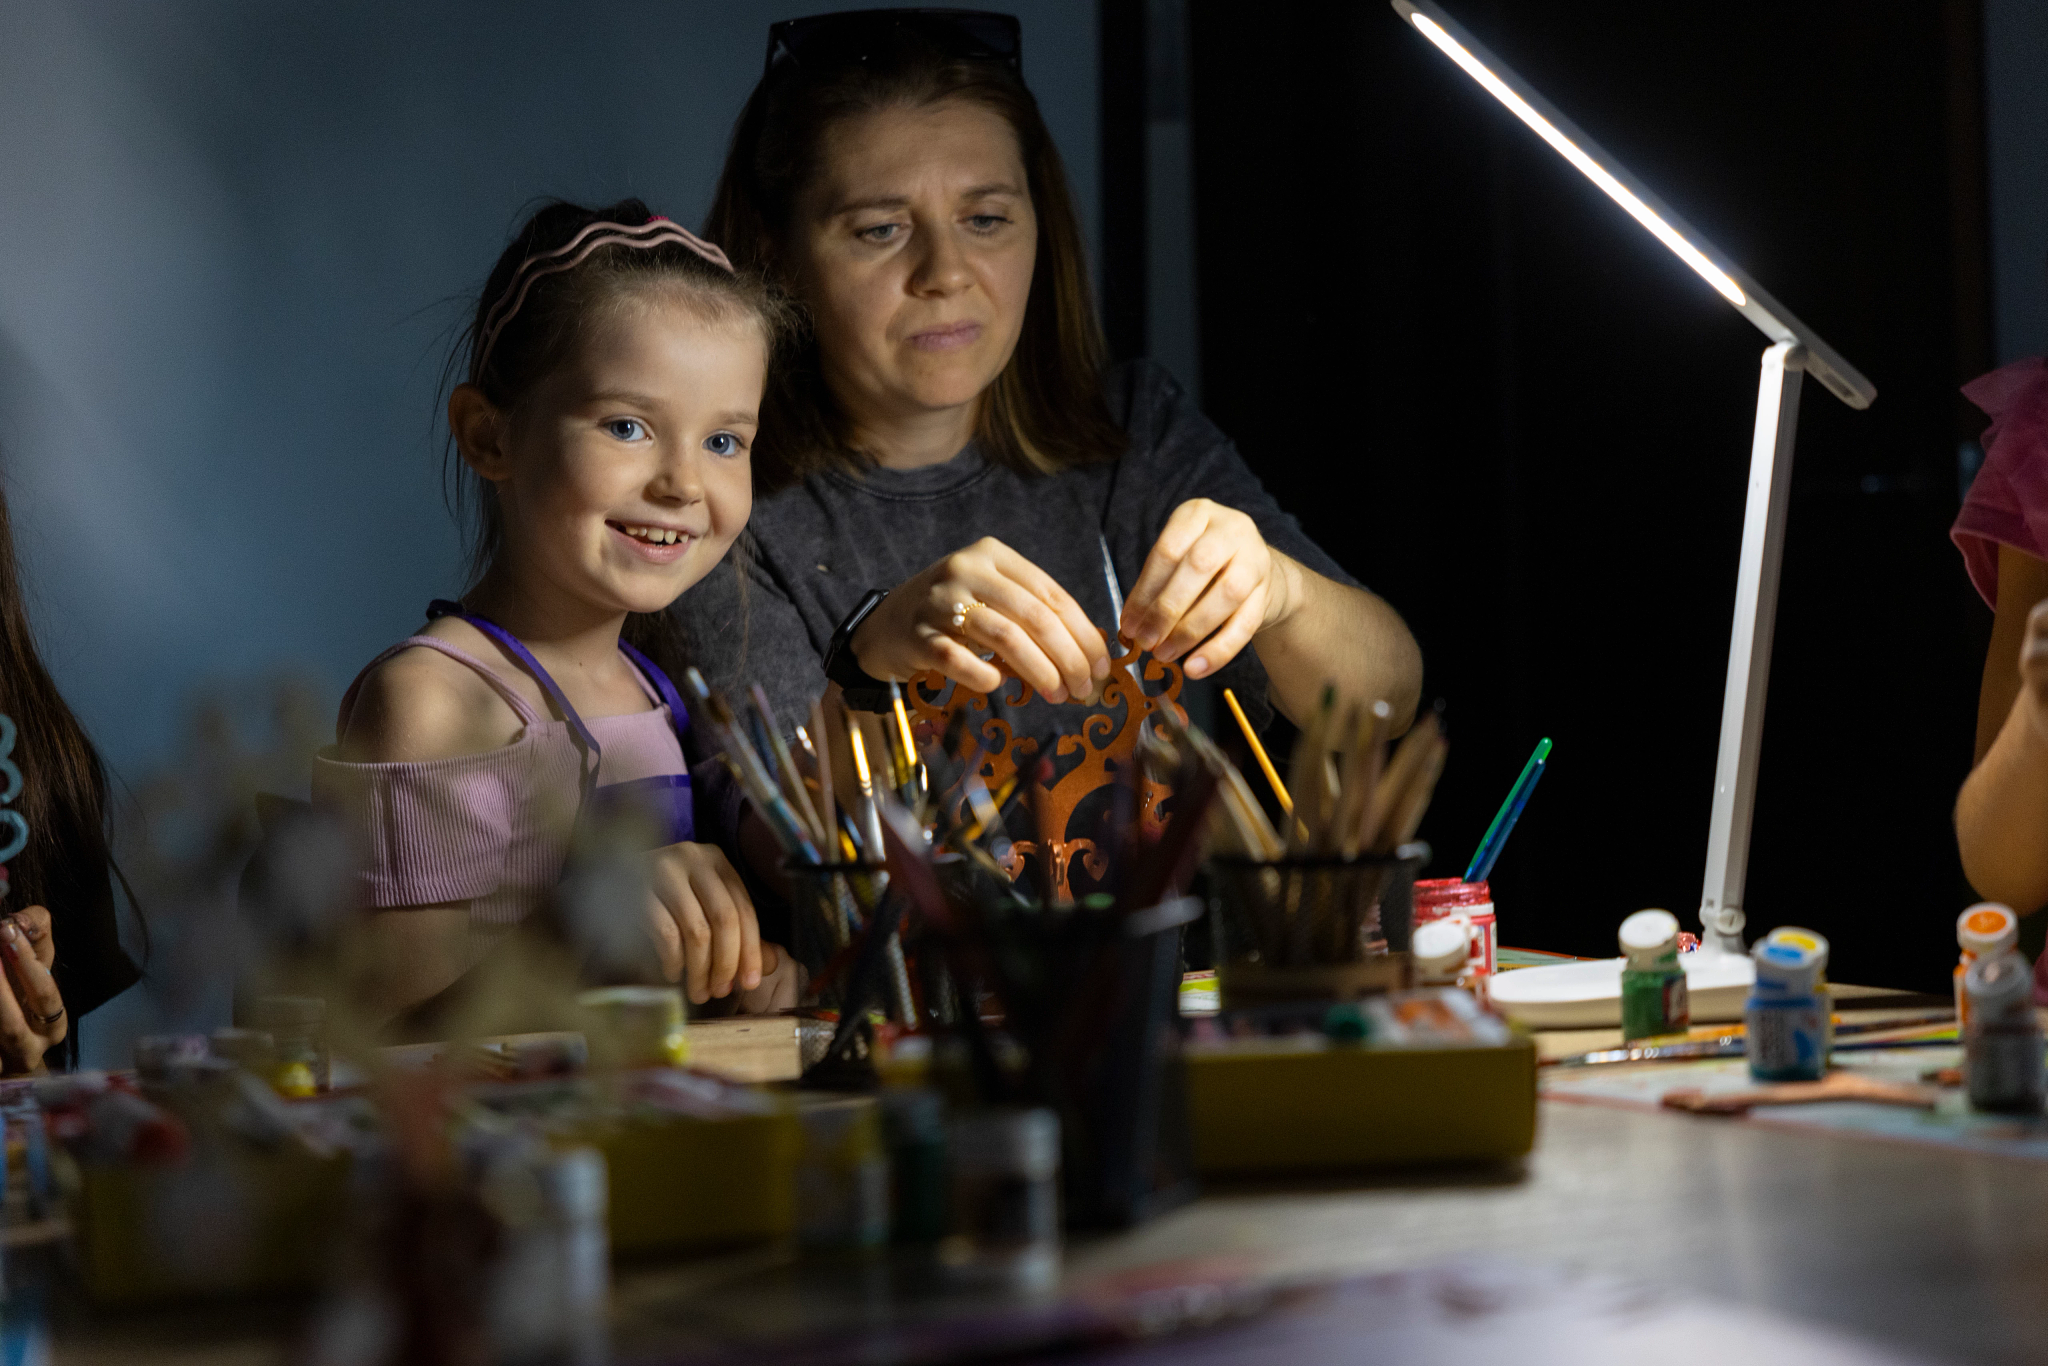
x=703, y=922
x=2034, y=669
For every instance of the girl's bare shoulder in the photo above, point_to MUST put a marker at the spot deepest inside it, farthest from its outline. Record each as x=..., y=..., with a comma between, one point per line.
x=421, y=704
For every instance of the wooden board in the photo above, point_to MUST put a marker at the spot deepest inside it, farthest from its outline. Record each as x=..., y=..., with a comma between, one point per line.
x=750, y=1048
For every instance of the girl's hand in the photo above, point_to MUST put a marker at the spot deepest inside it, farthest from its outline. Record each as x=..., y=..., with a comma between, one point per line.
x=1211, y=580
x=28, y=994
x=2034, y=668
x=703, y=921
x=1016, y=610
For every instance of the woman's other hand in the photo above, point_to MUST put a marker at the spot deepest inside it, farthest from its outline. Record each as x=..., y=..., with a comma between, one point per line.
x=1015, y=611
x=1210, y=581
x=703, y=922
x=32, y=1016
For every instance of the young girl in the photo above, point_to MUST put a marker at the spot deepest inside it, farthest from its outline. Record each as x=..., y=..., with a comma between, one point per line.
x=58, y=942
x=614, y=376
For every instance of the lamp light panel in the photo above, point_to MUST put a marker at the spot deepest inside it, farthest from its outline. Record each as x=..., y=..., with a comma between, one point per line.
x=1590, y=168
x=1769, y=316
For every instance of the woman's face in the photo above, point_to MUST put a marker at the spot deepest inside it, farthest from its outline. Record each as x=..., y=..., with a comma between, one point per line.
x=627, y=475
x=914, y=249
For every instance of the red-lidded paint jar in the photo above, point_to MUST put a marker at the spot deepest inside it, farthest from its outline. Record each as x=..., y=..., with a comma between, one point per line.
x=1438, y=897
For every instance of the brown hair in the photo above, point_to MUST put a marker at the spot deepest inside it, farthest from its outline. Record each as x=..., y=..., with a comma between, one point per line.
x=1046, y=411
x=551, y=318
x=67, y=863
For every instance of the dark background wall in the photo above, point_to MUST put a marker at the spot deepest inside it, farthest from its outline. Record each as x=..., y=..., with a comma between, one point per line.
x=1511, y=411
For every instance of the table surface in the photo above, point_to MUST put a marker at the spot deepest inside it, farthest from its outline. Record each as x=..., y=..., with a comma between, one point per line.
x=1932, y=1251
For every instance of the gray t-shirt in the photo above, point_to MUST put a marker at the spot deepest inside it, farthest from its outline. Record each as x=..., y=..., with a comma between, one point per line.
x=820, y=545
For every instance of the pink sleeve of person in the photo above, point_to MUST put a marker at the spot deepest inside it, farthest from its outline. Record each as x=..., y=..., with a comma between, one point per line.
x=2008, y=502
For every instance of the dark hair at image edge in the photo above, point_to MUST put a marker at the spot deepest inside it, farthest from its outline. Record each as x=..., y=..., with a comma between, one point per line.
x=68, y=859
x=552, y=319
x=1046, y=411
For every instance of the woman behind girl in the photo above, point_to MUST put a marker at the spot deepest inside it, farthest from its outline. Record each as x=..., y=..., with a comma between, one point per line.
x=614, y=373
x=58, y=942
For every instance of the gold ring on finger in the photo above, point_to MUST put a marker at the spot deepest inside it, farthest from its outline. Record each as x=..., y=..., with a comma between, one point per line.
x=960, y=611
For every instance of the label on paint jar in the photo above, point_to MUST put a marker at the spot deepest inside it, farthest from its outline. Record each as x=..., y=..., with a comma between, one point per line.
x=1653, y=1003
x=1786, y=1038
x=2002, y=1068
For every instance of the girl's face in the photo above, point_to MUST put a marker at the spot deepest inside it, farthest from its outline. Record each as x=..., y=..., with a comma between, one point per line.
x=914, y=250
x=627, y=474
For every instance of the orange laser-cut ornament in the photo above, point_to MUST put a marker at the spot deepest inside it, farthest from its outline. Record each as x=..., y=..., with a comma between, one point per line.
x=1093, y=759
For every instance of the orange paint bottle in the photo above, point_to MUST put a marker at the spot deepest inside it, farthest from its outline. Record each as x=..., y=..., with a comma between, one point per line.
x=1984, y=929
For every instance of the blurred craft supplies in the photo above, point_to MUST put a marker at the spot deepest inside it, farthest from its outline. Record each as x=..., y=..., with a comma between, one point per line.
x=1496, y=837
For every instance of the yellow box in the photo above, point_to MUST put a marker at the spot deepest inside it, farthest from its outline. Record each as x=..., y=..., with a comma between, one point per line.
x=1260, y=1105
x=680, y=1183
x=231, y=1223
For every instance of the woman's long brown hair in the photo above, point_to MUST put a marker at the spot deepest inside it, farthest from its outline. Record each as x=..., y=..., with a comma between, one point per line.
x=1046, y=411
x=64, y=789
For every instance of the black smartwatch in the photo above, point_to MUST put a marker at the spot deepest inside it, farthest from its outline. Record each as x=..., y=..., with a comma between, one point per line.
x=862, y=690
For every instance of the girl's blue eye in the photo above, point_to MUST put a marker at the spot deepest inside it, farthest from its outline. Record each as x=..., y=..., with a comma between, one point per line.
x=626, y=428
x=880, y=233
x=986, y=222
x=723, y=443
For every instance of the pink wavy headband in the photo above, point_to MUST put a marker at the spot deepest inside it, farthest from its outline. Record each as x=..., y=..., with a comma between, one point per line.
x=653, y=233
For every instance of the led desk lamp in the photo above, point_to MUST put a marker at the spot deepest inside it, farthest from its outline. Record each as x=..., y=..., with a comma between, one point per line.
x=1794, y=350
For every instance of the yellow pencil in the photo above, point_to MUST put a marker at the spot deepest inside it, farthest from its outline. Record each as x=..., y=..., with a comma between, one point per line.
x=1259, y=753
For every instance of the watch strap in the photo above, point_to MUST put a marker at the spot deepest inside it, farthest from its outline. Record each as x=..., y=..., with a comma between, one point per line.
x=862, y=690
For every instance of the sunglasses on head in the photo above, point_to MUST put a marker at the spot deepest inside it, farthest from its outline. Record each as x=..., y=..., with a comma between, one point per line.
x=822, y=41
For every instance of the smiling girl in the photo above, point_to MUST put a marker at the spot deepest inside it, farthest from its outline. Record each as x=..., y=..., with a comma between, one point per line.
x=614, y=369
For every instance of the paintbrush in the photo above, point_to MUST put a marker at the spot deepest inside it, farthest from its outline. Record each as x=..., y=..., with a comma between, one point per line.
x=870, y=810
x=828, y=811
x=785, y=766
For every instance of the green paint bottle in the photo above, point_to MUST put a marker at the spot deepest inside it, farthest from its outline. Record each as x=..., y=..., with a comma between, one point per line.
x=1653, y=998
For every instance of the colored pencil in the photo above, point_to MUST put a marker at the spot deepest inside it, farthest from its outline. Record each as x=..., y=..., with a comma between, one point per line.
x=1496, y=836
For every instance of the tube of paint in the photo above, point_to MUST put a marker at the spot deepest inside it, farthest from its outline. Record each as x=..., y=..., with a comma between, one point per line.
x=1653, y=995
x=1785, y=1021
x=1985, y=929
x=2002, y=1050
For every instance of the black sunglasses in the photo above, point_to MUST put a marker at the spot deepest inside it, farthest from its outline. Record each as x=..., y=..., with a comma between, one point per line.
x=822, y=41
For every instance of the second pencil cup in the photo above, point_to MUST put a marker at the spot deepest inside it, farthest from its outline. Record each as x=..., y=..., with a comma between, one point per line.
x=1312, y=927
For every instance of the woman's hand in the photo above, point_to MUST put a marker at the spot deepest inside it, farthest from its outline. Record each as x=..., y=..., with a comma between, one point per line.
x=28, y=994
x=1211, y=580
x=1016, y=611
x=703, y=921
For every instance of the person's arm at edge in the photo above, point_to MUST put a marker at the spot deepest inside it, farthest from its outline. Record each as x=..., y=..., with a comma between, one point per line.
x=2002, y=811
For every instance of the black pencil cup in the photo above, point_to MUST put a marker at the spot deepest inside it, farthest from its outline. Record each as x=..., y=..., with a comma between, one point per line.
x=1094, y=1000
x=825, y=914
x=1312, y=927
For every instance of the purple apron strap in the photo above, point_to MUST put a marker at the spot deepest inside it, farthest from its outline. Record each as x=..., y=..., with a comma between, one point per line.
x=678, y=713
x=592, y=752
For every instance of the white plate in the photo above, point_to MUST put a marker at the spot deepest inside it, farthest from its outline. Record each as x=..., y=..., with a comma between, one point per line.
x=1587, y=995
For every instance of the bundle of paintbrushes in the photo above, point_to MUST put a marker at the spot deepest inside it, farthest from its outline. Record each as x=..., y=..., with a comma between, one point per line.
x=1324, y=909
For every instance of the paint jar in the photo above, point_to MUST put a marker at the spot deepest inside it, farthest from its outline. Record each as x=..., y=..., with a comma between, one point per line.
x=1438, y=897
x=635, y=1027
x=1442, y=950
x=1985, y=929
x=842, y=1176
x=1006, y=1207
x=914, y=1127
x=1816, y=943
x=297, y=1026
x=2002, y=1052
x=1784, y=1022
x=1653, y=995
